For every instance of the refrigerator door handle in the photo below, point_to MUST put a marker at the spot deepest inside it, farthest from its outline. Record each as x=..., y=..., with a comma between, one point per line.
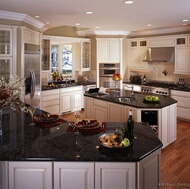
x=33, y=83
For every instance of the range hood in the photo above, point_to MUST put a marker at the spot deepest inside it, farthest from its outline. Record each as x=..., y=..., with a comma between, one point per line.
x=160, y=54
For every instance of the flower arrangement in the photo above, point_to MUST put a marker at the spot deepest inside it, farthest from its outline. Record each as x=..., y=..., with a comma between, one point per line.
x=11, y=91
x=77, y=115
x=116, y=77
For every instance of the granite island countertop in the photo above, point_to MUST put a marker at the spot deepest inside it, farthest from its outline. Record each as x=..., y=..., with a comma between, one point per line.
x=23, y=142
x=138, y=97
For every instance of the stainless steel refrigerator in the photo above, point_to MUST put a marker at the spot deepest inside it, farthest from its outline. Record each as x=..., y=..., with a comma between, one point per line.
x=32, y=74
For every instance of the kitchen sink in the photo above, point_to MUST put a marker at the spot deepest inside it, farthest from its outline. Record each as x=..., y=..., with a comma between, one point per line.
x=125, y=99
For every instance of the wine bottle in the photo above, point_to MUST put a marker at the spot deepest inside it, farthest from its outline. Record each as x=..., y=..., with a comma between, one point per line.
x=130, y=124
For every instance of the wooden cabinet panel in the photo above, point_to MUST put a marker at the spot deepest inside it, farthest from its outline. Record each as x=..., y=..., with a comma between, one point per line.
x=166, y=41
x=116, y=112
x=115, y=175
x=70, y=175
x=30, y=175
x=149, y=171
x=65, y=102
x=88, y=106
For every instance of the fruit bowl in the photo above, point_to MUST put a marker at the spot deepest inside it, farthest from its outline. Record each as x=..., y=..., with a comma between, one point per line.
x=151, y=98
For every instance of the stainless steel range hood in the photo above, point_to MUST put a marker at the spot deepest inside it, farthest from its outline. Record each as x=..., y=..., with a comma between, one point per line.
x=160, y=54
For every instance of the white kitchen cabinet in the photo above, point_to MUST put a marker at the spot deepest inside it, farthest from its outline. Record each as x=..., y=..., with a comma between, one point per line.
x=136, y=54
x=182, y=58
x=30, y=175
x=50, y=101
x=100, y=110
x=31, y=37
x=85, y=55
x=71, y=175
x=4, y=177
x=115, y=175
x=8, y=50
x=148, y=169
x=88, y=105
x=71, y=99
x=116, y=112
x=169, y=125
x=108, y=50
x=182, y=54
x=134, y=113
x=183, y=104
x=164, y=41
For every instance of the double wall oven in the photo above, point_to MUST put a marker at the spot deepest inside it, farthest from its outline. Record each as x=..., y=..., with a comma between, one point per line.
x=106, y=71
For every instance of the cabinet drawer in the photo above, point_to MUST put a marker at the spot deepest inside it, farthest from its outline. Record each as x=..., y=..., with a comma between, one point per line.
x=50, y=92
x=180, y=93
x=71, y=89
x=50, y=103
x=100, y=103
x=47, y=98
x=52, y=109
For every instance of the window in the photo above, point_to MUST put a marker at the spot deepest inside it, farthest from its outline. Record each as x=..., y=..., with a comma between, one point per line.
x=54, y=58
x=67, y=59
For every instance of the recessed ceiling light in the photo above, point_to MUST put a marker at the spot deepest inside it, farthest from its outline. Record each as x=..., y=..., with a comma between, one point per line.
x=149, y=25
x=185, y=20
x=128, y=2
x=37, y=16
x=77, y=24
x=89, y=12
x=47, y=22
x=184, y=24
x=97, y=27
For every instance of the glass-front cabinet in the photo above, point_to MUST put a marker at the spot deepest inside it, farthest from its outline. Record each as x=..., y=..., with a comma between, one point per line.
x=5, y=42
x=45, y=54
x=5, y=67
x=85, y=55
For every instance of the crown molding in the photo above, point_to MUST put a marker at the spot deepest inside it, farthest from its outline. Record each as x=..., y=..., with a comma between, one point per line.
x=21, y=17
x=161, y=31
x=101, y=32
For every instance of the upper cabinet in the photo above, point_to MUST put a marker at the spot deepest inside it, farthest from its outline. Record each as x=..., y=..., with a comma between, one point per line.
x=182, y=54
x=109, y=50
x=31, y=37
x=165, y=41
x=137, y=50
x=85, y=55
x=8, y=50
x=45, y=60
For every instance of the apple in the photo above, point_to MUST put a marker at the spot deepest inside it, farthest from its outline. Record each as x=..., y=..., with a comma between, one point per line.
x=125, y=142
x=155, y=98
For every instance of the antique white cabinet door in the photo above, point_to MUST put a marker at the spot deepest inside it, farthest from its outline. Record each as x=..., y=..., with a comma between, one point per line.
x=73, y=175
x=30, y=175
x=77, y=100
x=115, y=175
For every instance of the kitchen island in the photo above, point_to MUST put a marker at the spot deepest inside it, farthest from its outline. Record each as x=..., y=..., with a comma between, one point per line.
x=41, y=157
x=115, y=106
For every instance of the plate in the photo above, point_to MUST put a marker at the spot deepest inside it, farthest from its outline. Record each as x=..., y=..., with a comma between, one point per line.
x=107, y=144
x=46, y=118
x=88, y=124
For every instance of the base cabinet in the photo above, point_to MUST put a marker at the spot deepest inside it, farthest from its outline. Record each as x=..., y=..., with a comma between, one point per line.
x=115, y=175
x=30, y=175
x=70, y=175
x=82, y=175
x=148, y=171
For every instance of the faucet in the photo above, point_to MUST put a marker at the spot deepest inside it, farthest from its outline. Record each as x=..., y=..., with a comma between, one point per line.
x=132, y=89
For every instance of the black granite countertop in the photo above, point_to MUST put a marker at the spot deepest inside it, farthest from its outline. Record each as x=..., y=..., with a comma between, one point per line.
x=59, y=85
x=23, y=142
x=138, y=101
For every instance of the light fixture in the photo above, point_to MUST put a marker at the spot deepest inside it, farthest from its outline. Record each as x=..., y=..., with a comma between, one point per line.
x=128, y=2
x=97, y=27
x=149, y=25
x=185, y=20
x=77, y=24
x=88, y=12
x=37, y=16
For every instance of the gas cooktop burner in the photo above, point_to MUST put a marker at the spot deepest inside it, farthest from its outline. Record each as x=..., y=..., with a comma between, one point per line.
x=155, y=90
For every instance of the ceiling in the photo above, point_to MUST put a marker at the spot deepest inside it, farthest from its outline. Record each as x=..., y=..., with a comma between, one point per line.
x=108, y=15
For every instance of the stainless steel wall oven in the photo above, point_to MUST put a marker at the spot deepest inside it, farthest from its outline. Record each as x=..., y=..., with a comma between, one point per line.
x=106, y=72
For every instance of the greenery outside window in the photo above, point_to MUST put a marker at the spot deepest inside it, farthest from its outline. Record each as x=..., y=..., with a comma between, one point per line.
x=67, y=59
